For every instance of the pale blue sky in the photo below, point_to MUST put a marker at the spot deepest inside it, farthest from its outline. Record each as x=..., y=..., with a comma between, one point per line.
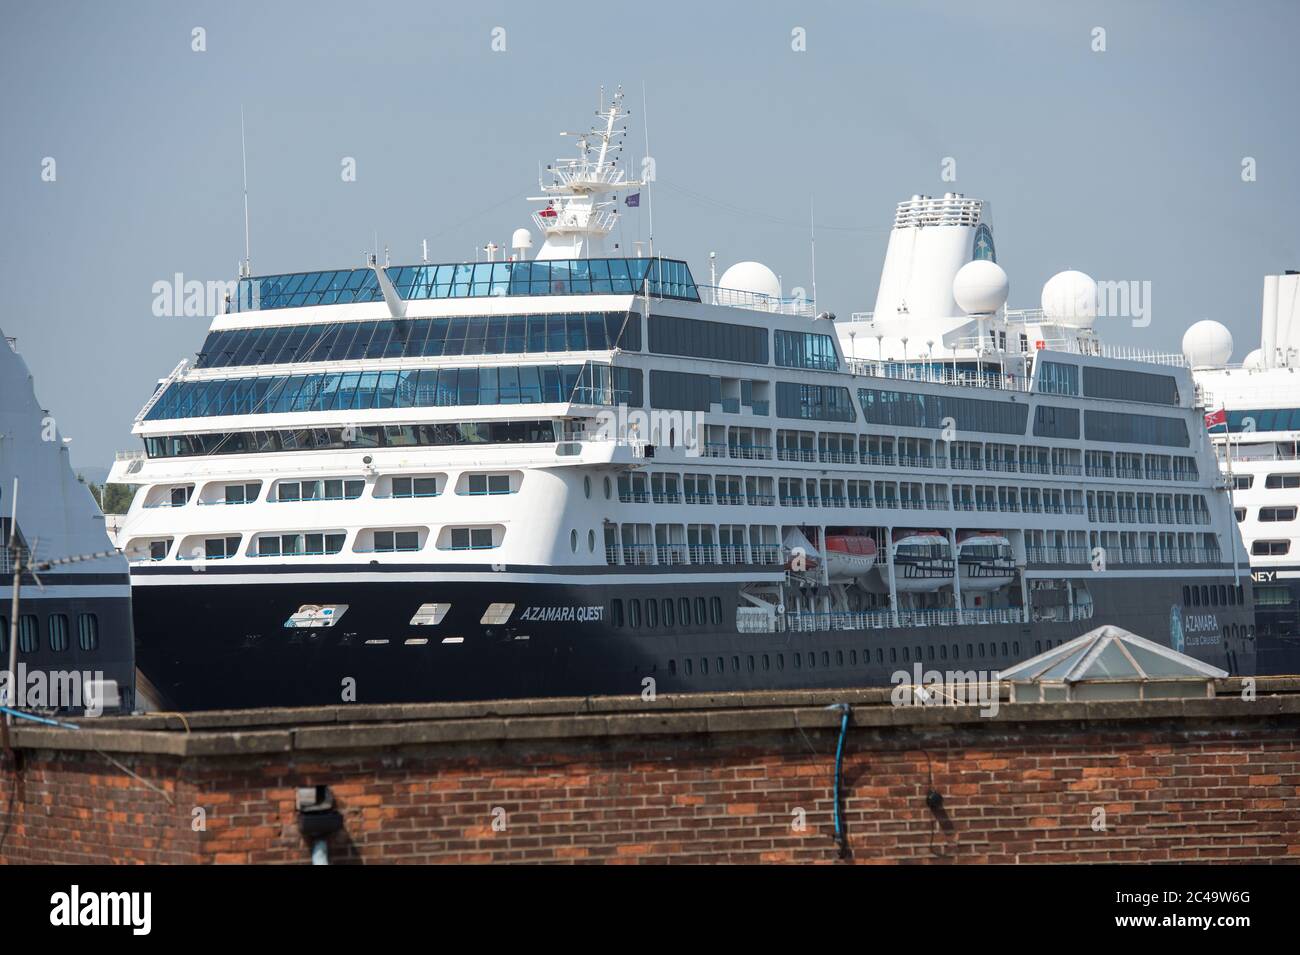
x=1125, y=164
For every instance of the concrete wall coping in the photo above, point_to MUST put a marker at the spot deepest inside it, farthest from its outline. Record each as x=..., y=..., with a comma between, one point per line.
x=233, y=733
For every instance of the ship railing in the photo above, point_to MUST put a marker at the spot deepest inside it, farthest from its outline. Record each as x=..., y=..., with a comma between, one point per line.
x=752, y=452
x=796, y=454
x=714, y=449
x=885, y=619
x=1058, y=555
x=757, y=301
x=671, y=553
x=177, y=372
x=638, y=554
x=702, y=554
x=933, y=371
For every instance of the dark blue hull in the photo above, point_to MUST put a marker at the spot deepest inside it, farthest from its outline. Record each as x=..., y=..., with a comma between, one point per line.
x=217, y=645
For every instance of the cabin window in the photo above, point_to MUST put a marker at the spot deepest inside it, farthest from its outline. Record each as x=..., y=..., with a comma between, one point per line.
x=88, y=631
x=58, y=626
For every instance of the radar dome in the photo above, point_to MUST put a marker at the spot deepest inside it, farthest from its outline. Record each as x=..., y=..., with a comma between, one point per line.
x=522, y=239
x=1254, y=361
x=1207, y=344
x=754, y=277
x=1070, y=298
x=980, y=287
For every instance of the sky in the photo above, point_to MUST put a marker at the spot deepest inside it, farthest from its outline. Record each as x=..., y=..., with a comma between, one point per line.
x=1169, y=156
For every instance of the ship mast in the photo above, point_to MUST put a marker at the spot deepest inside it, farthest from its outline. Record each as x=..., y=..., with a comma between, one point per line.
x=580, y=210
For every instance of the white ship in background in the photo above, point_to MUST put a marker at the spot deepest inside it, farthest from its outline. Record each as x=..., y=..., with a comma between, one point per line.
x=404, y=476
x=1257, y=438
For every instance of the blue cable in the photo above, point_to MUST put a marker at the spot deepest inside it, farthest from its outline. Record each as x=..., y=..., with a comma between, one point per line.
x=839, y=767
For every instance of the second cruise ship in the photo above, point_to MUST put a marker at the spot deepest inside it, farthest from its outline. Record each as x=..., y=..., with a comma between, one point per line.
x=577, y=472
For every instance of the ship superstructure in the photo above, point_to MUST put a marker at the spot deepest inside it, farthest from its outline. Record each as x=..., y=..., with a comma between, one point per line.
x=1254, y=409
x=573, y=473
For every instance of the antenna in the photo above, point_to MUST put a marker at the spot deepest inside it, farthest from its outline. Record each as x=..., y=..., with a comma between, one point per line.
x=649, y=192
x=243, y=154
x=812, y=245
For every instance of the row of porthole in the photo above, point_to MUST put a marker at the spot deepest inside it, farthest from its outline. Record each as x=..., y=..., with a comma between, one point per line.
x=56, y=626
x=586, y=487
x=664, y=610
x=591, y=541
x=810, y=657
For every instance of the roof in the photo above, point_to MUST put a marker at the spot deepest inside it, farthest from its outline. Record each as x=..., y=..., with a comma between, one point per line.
x=1110, y=653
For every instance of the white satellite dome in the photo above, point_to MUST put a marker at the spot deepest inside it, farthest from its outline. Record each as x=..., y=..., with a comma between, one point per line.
x=980, y=287
x=1070, y=298
x=754, y=277
x=1254, y=360
x=1207, y=344
x=522, y=239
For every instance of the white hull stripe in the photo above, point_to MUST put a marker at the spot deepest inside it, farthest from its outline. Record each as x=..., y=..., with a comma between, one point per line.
x=66, y=592
x=181, y=580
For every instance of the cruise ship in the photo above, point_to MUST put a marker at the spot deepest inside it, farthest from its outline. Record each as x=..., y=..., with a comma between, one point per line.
x=73, y=651
x=574, y=471
x=1254, y=417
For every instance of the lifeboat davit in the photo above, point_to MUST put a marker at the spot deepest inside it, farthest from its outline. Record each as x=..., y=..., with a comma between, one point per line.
x=849, y=556
x=800, y=555
x=922, y=561
x=984, y=560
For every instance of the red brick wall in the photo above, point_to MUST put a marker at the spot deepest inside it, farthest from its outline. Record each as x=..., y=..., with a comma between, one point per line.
x=1209, y=791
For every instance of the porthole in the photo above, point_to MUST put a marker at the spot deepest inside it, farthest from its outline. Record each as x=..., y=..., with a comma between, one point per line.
x=607, y=488
x=586, y=485
x=591, y=542
x=573, y=541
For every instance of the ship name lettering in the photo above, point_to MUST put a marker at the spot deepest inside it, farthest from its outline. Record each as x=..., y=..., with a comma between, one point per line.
x=567, y=614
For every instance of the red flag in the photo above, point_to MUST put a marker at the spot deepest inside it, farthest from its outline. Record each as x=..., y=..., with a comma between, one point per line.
x=1215, y=418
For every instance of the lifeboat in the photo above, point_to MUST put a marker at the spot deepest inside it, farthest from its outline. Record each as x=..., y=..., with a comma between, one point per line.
x=922, y=561
x=849, y=556
x=984, y=560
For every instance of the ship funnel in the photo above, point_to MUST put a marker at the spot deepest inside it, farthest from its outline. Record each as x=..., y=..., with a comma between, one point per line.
x=1280, y=326
x=931, y=240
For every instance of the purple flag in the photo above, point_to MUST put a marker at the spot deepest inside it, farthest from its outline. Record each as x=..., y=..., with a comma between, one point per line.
x=634, y=200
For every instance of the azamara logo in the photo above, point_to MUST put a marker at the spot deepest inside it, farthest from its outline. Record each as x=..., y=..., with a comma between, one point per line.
x=102, y=908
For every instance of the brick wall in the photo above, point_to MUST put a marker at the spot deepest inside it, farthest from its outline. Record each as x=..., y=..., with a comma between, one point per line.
x=723, y=785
